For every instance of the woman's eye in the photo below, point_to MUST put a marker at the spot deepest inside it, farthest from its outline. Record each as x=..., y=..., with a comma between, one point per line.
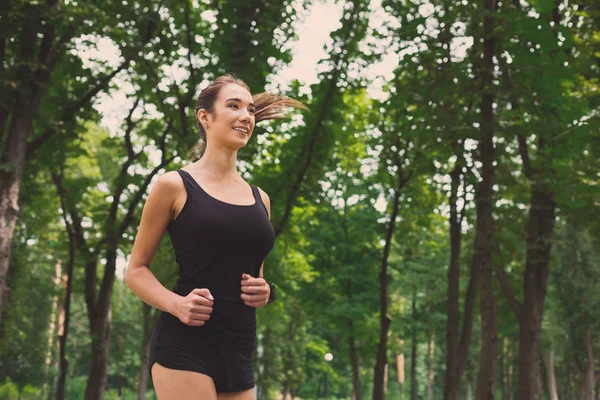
x=233, y=105
x=252, y=111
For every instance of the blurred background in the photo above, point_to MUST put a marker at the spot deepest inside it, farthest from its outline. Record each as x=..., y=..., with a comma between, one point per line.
x=436, y=209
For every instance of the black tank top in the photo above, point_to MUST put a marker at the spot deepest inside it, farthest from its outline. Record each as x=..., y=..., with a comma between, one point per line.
x=215, y=243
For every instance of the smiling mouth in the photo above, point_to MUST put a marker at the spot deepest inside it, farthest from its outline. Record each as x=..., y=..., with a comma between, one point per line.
x=242, y=130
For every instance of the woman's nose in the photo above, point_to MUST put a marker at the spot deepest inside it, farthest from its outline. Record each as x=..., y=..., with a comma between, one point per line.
x=245, y=116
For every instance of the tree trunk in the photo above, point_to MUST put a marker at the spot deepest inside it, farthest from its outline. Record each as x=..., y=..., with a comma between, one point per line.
x=286, y=391
x=355, y=364
x=33, y=72
x=400, y=369
x=379, y=388
x=541, y=226
x=11, y=176
x=589, y=379
x=98, y=376
x=64, y=331
x=484, y=228
x=469, y=395
x=452, y=377
x=502, y=361
x=549, y=361
x=66, y=309
x=431, y=369
x=457, y=342
x=507, y=370
x=413, y=353
x=54, y=326
x=539, y=243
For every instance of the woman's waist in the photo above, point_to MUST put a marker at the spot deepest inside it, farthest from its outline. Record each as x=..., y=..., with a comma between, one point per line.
x=219, y=325
x=226, y=295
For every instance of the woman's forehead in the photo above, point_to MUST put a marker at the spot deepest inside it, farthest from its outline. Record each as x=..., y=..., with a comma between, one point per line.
x=235, y=91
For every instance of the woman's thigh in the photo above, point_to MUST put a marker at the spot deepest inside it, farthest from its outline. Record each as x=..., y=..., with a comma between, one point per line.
x=173, y=384
x=243, y=395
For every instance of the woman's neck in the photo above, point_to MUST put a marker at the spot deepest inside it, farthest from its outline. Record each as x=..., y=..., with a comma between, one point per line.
x=219, y=163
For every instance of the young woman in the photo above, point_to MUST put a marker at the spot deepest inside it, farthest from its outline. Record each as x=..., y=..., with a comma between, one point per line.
x=203, y=342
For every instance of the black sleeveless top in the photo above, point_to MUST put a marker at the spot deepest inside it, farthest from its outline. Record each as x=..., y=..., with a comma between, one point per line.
x=215, y=243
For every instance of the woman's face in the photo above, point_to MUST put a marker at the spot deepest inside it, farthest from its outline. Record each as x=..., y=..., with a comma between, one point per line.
x=232, y=122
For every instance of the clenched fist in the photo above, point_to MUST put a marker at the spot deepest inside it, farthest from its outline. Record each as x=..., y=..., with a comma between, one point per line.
x=195, y=308
x=255, y=291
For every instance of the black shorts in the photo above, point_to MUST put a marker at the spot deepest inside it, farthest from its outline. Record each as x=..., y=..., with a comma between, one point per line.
x=231, y=370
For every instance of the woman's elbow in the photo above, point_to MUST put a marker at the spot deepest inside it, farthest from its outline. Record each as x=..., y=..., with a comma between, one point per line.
x=129, y=276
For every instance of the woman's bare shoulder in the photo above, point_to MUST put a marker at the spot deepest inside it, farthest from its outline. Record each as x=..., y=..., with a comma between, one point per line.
x=265, y=199
x=263, y=194
x=169, y=183
x=170, y=178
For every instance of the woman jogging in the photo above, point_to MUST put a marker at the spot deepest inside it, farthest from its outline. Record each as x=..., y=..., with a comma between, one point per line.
x=203, y=341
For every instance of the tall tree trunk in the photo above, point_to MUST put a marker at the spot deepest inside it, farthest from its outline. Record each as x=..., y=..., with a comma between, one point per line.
x=33, y=73
x=507, y=370
x=379, y=388
x=413, y=353
x=286, y=391
x=541, y=226
x=589, y=379
x=354, y=363
x=484, y=229
x=53, y=328
x=66, y=308
x=400, y=368
x=10, y=180
x=469, y=394
x=549, y=361
x=64, y=329
x=98, y=376
x=502, y=361
x=457, y=342
x=452, y=377
x=431, y=368
x=539, y=242
x=511, y=376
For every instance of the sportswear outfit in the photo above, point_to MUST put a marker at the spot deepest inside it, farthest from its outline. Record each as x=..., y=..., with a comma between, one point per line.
x=215, y=243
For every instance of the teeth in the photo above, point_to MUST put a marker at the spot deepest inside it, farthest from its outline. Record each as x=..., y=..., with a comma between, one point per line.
x=241, y=130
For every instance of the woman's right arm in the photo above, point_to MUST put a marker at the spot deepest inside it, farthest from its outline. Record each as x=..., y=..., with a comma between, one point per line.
x=158, y=212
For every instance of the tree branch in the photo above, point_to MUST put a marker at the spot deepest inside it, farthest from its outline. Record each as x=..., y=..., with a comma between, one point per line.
x=524, y=152
x=139, y=194
x=309, y=151
x=81, y=243
x=142, y=190
x=71, y=110
x=101, y=82
x=130, y=126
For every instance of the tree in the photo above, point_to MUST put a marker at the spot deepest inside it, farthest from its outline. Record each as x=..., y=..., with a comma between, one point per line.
x=44, y=37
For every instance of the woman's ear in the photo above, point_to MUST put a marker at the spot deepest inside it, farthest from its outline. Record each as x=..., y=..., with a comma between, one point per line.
x=203, y=117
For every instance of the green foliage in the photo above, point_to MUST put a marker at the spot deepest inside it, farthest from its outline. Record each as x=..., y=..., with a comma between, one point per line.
x=330, y=172
x=8, y=390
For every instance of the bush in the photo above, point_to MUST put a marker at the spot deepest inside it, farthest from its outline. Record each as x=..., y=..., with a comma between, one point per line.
x=9, y=390
x=75, y=387
x=30, y=393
